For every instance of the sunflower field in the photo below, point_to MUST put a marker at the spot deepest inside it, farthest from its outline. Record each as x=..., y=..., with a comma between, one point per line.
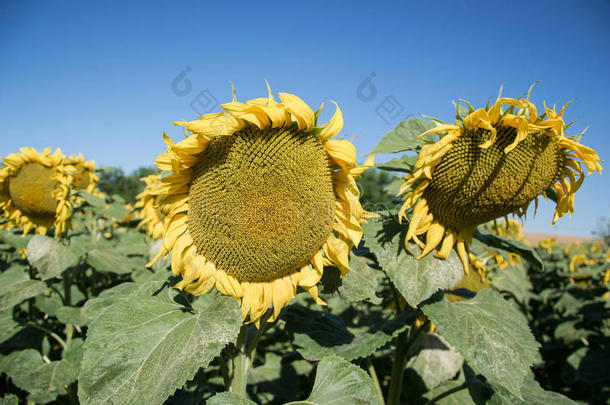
x=261, y=264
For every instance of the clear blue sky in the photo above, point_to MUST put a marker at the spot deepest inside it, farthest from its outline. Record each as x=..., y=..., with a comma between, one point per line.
x=97, y=78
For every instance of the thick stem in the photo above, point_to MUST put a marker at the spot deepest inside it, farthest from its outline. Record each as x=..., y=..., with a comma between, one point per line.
x=54, y=335
x=67, y=278
x=405, y=340
x=371, y=369
x=244, y=356
x=241, y=364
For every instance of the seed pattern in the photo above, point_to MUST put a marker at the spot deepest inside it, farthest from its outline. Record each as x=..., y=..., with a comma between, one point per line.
x=261, y=202
x=31, y=190
x=472, y=185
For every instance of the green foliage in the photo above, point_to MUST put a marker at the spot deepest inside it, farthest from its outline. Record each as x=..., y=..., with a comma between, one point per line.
x=404, y=136
x=83, y=320
x=141, y=349
x=114, y=181
x=339, y=382
x=492, y=335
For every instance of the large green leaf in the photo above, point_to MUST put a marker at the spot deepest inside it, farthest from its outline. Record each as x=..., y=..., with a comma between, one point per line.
x=361, y=282
x=115, y=210
x=91, y=199
x=434, y=361
x=514, y=280
x=43, y=380
x=8, y=325
x=107, y=260
x=318, y=334
x=415, y=279
x=404, y=136
x=339, y=382
x=14, y=240
x=403, y=164
x=491, y=334
x=141, y=349
x=50, y=257
x=533, y=394
x=17, y=286
x=228, y=398
x=511, y=245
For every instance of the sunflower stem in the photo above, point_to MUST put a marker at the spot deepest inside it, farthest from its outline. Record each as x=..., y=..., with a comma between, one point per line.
x=371, y=369
x=241, y=364
x=67, y=278
x=405, y=340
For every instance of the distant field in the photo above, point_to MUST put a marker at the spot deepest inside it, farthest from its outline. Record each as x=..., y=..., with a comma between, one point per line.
x=533, y=238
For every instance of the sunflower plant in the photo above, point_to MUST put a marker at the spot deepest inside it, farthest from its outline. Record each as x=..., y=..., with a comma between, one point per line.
x=252, y=269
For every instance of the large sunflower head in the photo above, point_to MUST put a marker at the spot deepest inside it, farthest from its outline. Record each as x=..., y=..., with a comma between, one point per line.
x=83, y=173
x=260, y=199
x=147, y=209
x=35, y=191
x=493, y=162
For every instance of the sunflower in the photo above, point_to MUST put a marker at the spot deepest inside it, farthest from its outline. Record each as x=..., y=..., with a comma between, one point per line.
x=35, y=191
x=491, y=163
x=83, y=173
x=260, y=199
x=152, y=217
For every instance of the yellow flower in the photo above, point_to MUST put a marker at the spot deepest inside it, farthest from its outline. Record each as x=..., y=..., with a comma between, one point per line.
x=152, y=217
x=548, y=244
x=261, y=198
x=492, y=163
x=35, y=191
x=578, y=260
x=83, y=173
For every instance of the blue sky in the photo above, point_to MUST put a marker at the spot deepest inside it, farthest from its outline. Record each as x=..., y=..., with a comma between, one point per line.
x=97, y=77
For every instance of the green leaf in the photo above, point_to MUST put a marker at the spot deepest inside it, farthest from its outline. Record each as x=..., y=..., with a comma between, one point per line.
x=533, y=394
x=43, y=380
x=318, y=334
x=404, y=136
x=510, y=245
x=8, y=326
x=115, y=210
x=339, y=382
x=415, y=279
x=91, y=199
x=96, y=307
x=360, y=283
x=434, y=362
x=49, y=257
x=142, y=348
x=228, y=398
x=107, y=260
x=9, y=399
x=17, y=286
x=275, y=377
x=49, y=304
x=514, y=280
x=71, y=315
x=14, y=240
x=491, y=334
x=404, y=164
x=460, y=397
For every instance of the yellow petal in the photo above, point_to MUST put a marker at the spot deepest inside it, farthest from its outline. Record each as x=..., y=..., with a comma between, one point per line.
x=333, y=127
x=304, y=115
x=342, y=152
